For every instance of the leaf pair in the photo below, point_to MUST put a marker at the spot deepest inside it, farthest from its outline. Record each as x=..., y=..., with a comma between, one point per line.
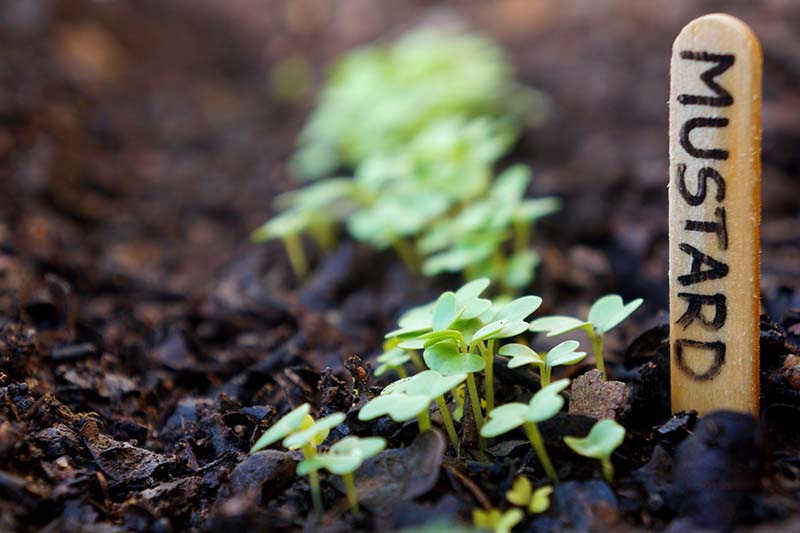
x=604, y=315
x=406, y=398
x=297, y=429
x=344, y=457
x=561, y=354
x=545, y=404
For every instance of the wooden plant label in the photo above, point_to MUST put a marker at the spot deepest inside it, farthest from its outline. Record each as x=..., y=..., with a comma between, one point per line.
x=714, y=215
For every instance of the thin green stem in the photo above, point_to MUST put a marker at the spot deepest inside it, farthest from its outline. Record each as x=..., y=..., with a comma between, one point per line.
x=352, y=495
x=297, y=258
x=424, y=420
x=407, y=254
x=416, y=359
x=448, y=421
x=541, y=452
x=522, y=235
x=488, y=377
x=322, y=232
x=597, y=346
x=401, y=372
x=545, y=375
x=608, y=469
x=475, y=403
x=313, y=481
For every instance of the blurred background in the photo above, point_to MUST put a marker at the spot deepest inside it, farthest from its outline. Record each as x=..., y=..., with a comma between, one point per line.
x=143, y=141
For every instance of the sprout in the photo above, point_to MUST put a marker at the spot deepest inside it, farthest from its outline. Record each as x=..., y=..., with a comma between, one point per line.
x=411, y=397
x=561, y=354
x=343, y=459
x=605, y=314
x=299, y=431
x=288, y=226
x=604, y=437
x=394, y=359
x=497, y=521
x=522, y=495
x=544, y=405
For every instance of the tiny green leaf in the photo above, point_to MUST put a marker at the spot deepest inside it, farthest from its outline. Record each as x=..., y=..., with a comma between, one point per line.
x=607, y=312
x=444, y=312
x=398, y=406
x=500, y=329
x=345, y=456
x=604, y=437
x=564, y=354
x=540, y=501
x=394, y=358
x=520, y=355
x=519, y=309
x=432, y=337
x=557, y=325
x=504, y=418
x=472, y=290
x=497, y=521
x=521, y=492
x=446, y=358
x=547, y=402
x=315, y=434
x=288, y=423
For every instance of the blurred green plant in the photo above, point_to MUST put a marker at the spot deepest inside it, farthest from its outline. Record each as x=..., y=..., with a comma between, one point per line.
x=495, y=520
x=534, y=501
x=422, y=123
x=559, y=355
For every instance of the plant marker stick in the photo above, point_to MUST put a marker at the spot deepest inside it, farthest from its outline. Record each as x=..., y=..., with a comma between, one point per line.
x=714, y=216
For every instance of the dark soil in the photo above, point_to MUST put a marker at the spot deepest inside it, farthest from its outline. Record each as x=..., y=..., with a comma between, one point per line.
x=145, y=343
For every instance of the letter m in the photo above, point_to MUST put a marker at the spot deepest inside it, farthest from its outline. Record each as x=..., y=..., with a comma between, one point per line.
x=722, y=62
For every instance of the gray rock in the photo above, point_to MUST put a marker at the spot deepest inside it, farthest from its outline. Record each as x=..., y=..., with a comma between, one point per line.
x=267, y=472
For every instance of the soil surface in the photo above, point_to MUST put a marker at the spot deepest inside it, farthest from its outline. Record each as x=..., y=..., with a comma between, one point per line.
x=145, y=343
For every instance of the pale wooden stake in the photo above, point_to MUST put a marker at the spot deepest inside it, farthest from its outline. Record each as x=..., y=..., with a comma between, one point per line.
x=714, y=215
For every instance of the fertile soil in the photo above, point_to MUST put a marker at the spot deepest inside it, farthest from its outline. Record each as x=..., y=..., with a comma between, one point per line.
x=145, y=343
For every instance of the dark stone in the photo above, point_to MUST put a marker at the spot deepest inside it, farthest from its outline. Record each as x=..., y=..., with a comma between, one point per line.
x=268, y=472
x=586, y=505
x=717, y=469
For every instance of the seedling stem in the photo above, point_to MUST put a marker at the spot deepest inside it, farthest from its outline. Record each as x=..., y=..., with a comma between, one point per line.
x=475, y=402
x=424, y=420
x=608, y=469
x=352, y=496
x=407, y=254
x=297, y=258
x=448, y=422
x=313, y=480
x=488, y=384
x=597, y=346
x=541, y=452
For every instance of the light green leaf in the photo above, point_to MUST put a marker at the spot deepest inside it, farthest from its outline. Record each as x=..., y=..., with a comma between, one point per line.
x=521, y=492
x=557, y=325
x=282, y=225
x=446, y=358
x=497, y=521
x=520, y=355
x=472, y=290
x=608, y=311
x=444, y=312
x=604, y=437
x=500, y=329
x=520, y=269
x=434, y=337
x=288, y=423
x=519, y=309
x=504, y=418
x=399, y=406
x=540, y=500
x=314, y=434
x=547, y=402
x=394, y=358
x=564, y=354
x=532, y=210
x=434, y=384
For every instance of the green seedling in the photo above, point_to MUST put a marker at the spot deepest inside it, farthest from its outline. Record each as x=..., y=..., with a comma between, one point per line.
x=559, y=355
x=604, y=315
x=343, y=459
x=299, y=431
x=394, y=359
x=411, y=397
x=496, y=520
x=534, y=501
x=544, y=405
x=604, y=437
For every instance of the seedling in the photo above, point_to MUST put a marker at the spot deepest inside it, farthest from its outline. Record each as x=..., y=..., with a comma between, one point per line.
x=544, y=405
x=604, y=315
x=561, y=354
x=299, y=431
x=343, y=459
x=604, y=437
x=394, y=359
x=496, y=520
x=411, y=397
x=534, y=501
